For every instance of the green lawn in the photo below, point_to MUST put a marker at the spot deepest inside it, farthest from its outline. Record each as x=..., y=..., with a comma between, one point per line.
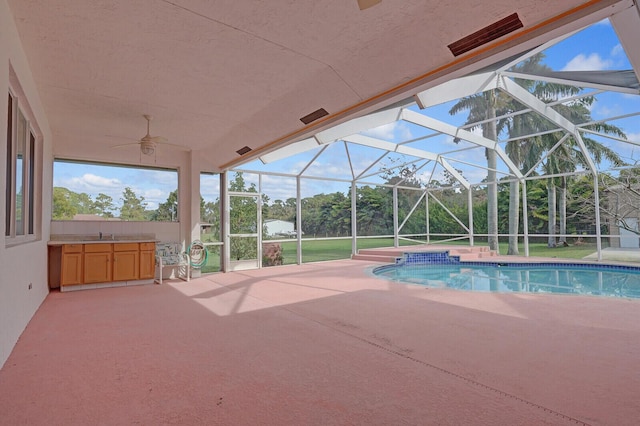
x=541, y=250
x=319, y=250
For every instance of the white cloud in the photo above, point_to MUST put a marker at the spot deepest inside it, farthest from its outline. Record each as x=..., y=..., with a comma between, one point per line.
x=591, y=62
x=617, y=50
x=633, y=137
x=91, y=184
x=396, y=131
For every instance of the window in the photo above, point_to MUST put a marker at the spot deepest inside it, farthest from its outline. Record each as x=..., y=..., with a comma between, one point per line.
x=20, y=189
x=102, y=191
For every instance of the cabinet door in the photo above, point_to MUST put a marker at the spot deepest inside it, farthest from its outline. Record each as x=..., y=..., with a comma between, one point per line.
x=126, y=265
x=97, y=267
x=71, y=271
x=147, y=264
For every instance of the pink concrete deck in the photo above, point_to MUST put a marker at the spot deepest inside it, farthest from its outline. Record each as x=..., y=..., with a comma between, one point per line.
x=322, y=344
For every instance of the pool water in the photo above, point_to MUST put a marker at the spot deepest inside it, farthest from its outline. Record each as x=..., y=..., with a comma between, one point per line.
x=529, y=278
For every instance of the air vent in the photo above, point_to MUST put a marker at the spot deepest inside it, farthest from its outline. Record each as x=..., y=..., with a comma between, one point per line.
x=487, y=34
x=243, y=151
x=314, y=116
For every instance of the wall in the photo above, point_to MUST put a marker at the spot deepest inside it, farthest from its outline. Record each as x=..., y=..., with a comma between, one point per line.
x=163, y=231
x=24, y=264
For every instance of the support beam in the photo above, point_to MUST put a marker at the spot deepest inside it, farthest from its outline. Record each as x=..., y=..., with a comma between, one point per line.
x=358, y=125
x=396, y=239
x=456, y=89
x=432, y=123
x=525, y=218
x=470, y=207
x=298, y=220
x=354, y=220
x=527, y=99
x=226, y=227
x=626, y=24
x=596, y=199
x=371, y=142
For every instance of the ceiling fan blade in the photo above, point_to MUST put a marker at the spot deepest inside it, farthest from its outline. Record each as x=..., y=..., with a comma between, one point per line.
x=365, y=4
x=157, y=139
x=125, y=144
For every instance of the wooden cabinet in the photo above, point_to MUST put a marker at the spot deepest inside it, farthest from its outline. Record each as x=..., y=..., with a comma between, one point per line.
x=126, y=262
x=97, y=263
x=100, y=263
x=147, y=260
x=71, y=269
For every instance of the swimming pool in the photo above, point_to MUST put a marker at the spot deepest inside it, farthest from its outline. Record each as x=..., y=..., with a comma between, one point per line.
x=566, y=278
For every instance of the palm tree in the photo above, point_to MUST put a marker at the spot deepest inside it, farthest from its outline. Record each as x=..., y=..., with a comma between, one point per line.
x=569, y=156
x=486, y=106
x=526, y=152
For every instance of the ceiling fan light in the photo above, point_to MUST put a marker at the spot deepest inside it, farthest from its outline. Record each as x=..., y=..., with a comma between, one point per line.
x=147, y=148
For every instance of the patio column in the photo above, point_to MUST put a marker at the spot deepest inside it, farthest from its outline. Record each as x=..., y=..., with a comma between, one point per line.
x=525, y=218
x=226, y=229
x=396, y=240
x=298, y=221
x=596, y=197
x=426, y=202
x=470, y=207
x=354, y=221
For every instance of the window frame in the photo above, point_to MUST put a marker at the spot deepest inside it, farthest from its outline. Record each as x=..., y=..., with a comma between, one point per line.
x=23, y=213
x=145, y=167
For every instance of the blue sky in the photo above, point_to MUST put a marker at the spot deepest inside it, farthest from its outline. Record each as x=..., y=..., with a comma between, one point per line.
x=595, y=48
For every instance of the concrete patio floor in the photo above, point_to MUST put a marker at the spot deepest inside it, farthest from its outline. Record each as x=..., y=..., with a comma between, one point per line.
x=322, y=344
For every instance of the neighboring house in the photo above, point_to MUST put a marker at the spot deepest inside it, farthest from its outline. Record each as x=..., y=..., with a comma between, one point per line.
x=279, y=228
x=622, y=212
x=80, y=216
x=93, y=217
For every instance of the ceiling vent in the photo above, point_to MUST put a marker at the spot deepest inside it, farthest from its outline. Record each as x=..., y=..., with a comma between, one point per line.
x=243, y=150
x=314, y=116
x=485, y=35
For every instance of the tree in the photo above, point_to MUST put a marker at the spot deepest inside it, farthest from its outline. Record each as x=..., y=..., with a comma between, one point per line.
x=63, y=208
x=133, y=207
x=167, y=211
x=103, y=205
x=482, y=107
x=210, y=215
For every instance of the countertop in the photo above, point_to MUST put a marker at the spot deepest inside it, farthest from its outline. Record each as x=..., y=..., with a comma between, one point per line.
x=58, y=240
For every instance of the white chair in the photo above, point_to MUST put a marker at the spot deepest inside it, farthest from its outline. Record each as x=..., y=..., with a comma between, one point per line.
x=170, y=254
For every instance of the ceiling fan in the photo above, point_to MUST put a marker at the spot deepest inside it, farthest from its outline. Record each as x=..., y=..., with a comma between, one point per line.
x=148, y=144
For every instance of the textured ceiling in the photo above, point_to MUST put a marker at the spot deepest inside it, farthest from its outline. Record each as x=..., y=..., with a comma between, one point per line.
x=220, y=75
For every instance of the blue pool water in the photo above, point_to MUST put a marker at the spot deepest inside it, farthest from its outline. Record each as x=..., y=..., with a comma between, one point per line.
x=614, y=281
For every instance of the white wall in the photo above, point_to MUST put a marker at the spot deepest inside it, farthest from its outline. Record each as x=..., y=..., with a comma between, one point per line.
x=23, y=264
x=163, y=231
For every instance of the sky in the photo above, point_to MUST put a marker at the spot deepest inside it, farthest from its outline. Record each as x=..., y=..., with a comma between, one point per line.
x=595, y=48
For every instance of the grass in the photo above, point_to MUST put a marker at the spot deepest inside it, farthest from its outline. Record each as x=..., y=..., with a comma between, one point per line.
x=320, y=250
x=541, y=250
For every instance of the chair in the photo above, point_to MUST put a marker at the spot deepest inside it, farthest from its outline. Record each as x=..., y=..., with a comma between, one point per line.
x=170, y=254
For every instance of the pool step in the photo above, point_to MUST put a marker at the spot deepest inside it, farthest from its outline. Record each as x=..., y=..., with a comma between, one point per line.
x=389, y=255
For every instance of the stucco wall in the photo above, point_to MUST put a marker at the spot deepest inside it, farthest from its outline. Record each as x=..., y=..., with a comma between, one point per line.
x=25, y=264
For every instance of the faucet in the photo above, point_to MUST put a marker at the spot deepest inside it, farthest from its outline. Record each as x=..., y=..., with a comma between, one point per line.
x=100, y=233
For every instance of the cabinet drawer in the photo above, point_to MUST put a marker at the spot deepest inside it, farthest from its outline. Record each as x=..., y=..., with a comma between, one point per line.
x=97, y=248
x=72, y=248
x=125, y=247
x=147, y=246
